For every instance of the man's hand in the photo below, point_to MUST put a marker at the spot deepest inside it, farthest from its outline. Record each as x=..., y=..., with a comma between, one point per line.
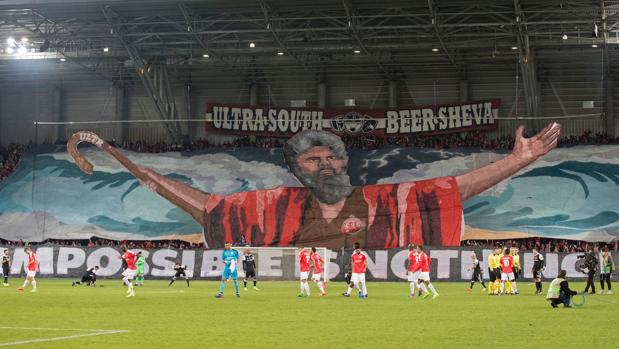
x=526, y=151
x=531, y=149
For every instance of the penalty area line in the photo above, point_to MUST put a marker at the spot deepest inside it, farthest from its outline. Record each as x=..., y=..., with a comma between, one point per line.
x=40, y=340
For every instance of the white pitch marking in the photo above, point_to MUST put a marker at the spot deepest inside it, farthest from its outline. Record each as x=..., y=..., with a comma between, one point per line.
x=39, y=340
x=52, y=329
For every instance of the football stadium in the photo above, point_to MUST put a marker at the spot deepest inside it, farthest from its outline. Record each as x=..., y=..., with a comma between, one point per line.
x=305, y=174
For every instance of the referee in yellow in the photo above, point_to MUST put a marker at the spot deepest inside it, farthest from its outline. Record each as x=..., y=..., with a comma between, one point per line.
x=494, y=271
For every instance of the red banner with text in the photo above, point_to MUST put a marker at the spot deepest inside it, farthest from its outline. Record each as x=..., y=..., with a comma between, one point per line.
x=350, y=121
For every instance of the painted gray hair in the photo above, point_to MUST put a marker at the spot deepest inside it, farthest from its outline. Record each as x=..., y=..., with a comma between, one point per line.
x=305, y=140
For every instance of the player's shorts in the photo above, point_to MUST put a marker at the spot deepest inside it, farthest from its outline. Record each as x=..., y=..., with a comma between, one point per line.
x=413, y=276
x=88, y=278
x=316, y=276
x=229, y=274
x=180, y=275
x=477, y=276
x=140, y=270
x=348, y=278
x=304, y=275
x=537, y=274
x=507, y=276
x=357, y=278
x=31, y=273
x=5, y=270
x=249, y=274
x=424, y=275
x=491, y=275
x=130, y=273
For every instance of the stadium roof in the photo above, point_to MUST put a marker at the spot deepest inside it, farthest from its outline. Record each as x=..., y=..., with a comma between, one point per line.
x=110, y=38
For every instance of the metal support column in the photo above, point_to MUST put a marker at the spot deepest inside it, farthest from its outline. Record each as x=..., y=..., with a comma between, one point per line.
x=609, y=111
x=121, y=113
x=393, y=94
x=322, y=94
x=58, y=114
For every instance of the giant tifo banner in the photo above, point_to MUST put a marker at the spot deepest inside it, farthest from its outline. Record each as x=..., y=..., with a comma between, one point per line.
x=418, y=120
x=448, y=264
x=399, y=195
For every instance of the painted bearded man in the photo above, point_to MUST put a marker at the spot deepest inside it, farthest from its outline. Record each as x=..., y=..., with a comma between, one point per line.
x=327, y=210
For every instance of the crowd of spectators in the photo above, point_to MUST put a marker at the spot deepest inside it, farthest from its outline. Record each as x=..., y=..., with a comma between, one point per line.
x=9, y=157
x=543, y=245
x=446, y=141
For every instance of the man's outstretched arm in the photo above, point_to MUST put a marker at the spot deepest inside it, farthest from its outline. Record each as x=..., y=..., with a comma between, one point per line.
x=525, y=152
x=189, y=199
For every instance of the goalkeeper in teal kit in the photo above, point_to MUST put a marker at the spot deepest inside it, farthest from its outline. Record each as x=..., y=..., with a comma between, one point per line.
x=231, y=259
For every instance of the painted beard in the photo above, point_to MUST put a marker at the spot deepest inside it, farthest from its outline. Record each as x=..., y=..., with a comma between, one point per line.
x=328, y=186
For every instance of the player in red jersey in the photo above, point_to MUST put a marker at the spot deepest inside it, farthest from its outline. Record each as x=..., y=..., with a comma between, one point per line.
x=31, y=270
x=304, y=268
x=413, y=269
x=424, y=273
x=359, y=266
x=317, y=262
x=129, y=273
x=507, y=271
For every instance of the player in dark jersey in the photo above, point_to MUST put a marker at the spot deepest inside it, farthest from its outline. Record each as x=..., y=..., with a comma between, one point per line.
x=89, y=278
x=538, y=266
x=249, y=266
x=180, y=273
x=6, y=267
x=348, y=277
x=477, y=273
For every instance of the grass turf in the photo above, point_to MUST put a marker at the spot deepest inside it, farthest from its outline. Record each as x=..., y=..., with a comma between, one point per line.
x=181, y=317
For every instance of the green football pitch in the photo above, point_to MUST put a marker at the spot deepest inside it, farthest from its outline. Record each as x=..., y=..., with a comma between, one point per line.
x=61, y=316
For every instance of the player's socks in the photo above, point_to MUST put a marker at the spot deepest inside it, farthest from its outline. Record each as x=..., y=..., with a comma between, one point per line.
x=432, y=289
x=245, y=285
x=514, y=287
x=25, y=283
x=364, y=289
x=320, y=287
x=222, y=285
x=502, y=289
x=171, y=282
x=471, y=287
x=349, y=290
x=483, y=285
x=236, y=286
x=411, y=285
x=187, y=282
x=423, y=287
x=34, y=285
x=307, y=288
